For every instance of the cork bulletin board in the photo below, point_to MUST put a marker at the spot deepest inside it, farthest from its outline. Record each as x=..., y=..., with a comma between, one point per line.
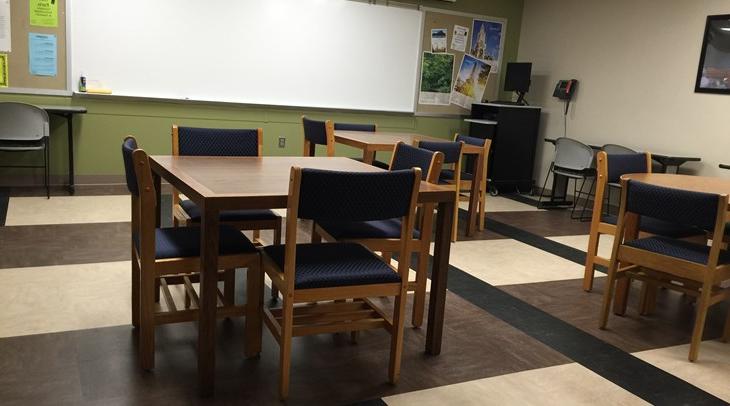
x=435, y=19
x=20, y=79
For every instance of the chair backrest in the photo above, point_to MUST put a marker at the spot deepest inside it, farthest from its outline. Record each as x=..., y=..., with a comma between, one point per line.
x=128, y=147
x=144, y=201
x=318, y=133
x=479, y=142
x=450, y=149
x=356, y=127
x=216, y=141
x=621, y=164
x=572, y=154
x=22, y=122
x=407, y=157
x=617, y=149
x=678, y=206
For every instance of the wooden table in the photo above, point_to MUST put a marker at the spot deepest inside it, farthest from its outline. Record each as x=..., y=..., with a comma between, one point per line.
x=223, y=183
x=372, y=142
x=68, y=113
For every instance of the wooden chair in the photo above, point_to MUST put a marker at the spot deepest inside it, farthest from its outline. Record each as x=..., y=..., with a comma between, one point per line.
x=466, y=177
x=172, y=257
x=384, y=235
x=452, y=156
x=656, y=259
x=318, y=133
x=609, y=168
x=335, y=272
x=194, y=141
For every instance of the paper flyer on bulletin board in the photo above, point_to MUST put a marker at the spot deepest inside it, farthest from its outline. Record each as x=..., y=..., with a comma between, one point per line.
x=42, y=51
x=436, y=72
x=44, y=13
x=5, y=26
x=3, y=70
x=471, y=81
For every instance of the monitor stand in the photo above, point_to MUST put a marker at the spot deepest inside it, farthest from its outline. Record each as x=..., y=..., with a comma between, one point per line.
x=520, y=100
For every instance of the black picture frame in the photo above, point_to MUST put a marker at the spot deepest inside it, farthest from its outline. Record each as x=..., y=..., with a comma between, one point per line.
x=714, y=79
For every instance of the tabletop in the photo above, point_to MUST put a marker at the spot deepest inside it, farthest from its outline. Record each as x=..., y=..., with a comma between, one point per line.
x=706, y=184
x=262, y=181
x=385, y=141
x=58, y=109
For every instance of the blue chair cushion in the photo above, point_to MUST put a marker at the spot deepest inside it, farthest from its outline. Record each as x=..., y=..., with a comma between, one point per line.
x=365, y=229
x=681, y=249
x=229, y=215
x=448, y=174
x=334, y=264
x=184, y=242
x=660, y=227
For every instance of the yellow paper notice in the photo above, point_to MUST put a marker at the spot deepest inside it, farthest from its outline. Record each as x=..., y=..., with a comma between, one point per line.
x=3, y=70
x=44, y=13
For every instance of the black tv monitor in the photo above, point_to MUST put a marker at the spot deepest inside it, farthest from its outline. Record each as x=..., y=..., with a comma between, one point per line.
x=517, y=78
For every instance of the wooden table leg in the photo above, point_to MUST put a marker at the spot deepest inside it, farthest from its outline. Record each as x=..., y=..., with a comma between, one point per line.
x=473, y=213
x=439, y=273
x=208, y=298
x=368, y=156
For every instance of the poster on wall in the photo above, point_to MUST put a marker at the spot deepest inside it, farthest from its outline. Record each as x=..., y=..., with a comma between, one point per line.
x=438, y=40
x=486, y=42
x=436, y=73
x=458, y=38
x=44, y=13
x=471, y=81
x=5, y=26
x=43, y=57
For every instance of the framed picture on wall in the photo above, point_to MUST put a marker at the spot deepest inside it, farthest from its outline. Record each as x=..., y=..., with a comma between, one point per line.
x=713, y=74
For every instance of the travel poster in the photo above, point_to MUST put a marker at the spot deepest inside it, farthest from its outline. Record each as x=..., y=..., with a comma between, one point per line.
x=438, y=40
x=471, y=82
x=486, y=42
x=436, y=73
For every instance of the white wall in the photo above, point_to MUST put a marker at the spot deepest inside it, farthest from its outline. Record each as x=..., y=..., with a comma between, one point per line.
x=636, y=61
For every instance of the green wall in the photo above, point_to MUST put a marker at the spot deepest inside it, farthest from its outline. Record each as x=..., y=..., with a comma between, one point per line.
x=98, y=133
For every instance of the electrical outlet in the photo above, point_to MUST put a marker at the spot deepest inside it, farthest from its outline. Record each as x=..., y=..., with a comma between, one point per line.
x=282, y=142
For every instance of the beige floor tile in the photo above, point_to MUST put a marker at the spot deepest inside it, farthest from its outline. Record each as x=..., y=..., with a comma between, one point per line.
x=68, y=210
x=49, y=299
x=581, y=242
x=570, y=384
x=498, y=203
x=508, y=262
x=710, y=372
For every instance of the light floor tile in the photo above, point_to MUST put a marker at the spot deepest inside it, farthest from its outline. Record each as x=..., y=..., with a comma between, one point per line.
x=57, y=298
x=710, y=372
x=605, y=243
x=68, y=210
x=509, y=262
x=570, y=384
x=498, y=203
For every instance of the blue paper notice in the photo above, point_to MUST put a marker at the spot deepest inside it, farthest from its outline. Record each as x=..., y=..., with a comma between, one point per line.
x=42, y=54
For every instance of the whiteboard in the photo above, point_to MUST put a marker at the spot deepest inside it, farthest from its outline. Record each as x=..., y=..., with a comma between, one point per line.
x=308, y=53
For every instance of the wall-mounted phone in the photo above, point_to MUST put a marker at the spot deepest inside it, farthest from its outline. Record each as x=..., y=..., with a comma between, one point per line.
x=565, y=88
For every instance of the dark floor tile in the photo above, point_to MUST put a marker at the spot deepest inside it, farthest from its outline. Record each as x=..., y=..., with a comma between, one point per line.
x=548, y=223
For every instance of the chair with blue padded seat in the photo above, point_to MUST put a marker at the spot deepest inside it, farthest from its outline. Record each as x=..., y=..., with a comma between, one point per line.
x=664, y=261
x=365, y=128
x=467, y=177
x=171, y=256
x=318, y=133
x=320, y=278
x=609, y=168
x=384, y=235
x=614, y=149
x=24, y=128
x=452, y=156
x=192, y=141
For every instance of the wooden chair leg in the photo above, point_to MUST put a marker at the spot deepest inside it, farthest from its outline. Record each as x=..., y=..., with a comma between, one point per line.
x=647, y=299
x=229, y=287
x=455, y=226
x=621, y=297
x=396, y=340
x=482, y=210
x=148, y=283
x=254, y=309
x=419, y=296
x=589, y=272
x=256, y=235
x=387, y=256
x=135, y=291
x=702, y=306
x=277, y=241
x=608, y=296
x=287, y=320
x=726, y=330
x=157, y=291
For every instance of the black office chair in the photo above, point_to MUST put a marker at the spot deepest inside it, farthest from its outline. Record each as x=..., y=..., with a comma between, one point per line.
x=24, y=128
